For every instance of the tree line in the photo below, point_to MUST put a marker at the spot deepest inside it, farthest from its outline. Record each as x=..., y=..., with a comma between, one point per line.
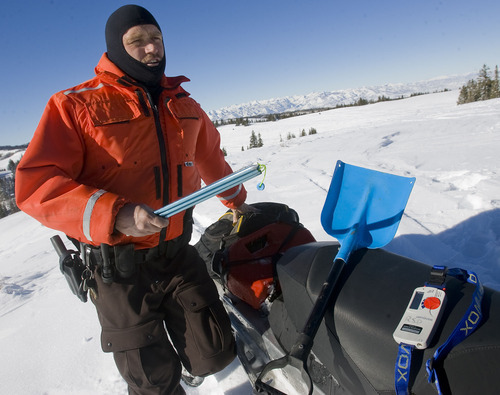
x=7, y=198
x=484, y=88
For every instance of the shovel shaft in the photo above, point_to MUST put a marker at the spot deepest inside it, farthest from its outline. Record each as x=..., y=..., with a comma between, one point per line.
x=318, y=312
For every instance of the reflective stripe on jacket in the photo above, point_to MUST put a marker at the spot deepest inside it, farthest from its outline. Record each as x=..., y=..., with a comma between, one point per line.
x=103, y=143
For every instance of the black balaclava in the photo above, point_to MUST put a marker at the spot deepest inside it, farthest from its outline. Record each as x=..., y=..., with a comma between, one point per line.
x=117, y=25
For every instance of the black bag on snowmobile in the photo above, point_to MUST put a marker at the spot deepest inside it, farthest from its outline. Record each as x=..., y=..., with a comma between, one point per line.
x=355, y=344
x=243, y=256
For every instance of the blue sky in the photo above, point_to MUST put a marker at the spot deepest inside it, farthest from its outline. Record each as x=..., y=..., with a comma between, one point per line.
x=238, y=51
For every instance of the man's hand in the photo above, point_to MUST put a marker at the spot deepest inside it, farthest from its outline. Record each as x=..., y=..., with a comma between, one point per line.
x=139, y=220
x=239, y=211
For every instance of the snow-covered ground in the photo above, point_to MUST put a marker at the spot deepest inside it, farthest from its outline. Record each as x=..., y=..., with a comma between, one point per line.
x=50, y=340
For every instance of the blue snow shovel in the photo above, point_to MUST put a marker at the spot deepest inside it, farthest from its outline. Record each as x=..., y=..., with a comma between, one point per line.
x=363, y=209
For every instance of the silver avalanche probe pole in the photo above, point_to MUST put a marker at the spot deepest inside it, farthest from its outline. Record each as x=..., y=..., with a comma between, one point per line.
x=211, y=190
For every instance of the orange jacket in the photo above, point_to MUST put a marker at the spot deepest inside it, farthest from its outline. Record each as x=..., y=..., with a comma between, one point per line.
x=102, y=144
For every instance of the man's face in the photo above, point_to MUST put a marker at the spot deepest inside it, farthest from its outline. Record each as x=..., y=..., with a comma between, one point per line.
x=145, y=44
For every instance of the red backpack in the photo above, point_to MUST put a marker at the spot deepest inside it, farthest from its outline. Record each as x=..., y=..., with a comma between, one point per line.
x=243, y=256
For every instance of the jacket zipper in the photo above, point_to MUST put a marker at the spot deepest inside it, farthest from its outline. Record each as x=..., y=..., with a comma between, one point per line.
x=163, y=149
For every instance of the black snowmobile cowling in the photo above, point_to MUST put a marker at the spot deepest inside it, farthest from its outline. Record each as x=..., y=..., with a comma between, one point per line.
x=355, y=343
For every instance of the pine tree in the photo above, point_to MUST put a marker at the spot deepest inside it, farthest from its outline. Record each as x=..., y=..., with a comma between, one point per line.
x=484, y=83
x=7, y=199
x=253, y=140
x=12, y=166
x=495, y=88
x=462, y=95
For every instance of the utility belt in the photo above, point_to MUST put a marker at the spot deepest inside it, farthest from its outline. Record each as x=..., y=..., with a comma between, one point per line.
x=115, y=263
x=121, y=261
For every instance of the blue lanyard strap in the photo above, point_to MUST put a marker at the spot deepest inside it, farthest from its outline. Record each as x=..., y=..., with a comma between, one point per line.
x=402, y=371
x=467, y=325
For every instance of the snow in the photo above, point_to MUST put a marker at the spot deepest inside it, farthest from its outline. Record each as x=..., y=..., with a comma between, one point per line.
x=50, y=340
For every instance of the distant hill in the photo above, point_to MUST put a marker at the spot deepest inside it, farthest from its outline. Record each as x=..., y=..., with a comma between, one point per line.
x=335, y=98
x=8, y=153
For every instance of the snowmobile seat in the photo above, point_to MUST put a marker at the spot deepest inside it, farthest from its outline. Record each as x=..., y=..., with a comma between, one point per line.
x=355, y=343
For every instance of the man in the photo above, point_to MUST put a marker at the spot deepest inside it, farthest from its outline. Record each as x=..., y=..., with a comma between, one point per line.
x=105, y=155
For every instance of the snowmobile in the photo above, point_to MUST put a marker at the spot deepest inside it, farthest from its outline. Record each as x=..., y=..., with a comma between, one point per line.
x=345, y=316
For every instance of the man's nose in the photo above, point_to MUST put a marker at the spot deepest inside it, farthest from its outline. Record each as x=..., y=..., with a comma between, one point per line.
x=151, y=47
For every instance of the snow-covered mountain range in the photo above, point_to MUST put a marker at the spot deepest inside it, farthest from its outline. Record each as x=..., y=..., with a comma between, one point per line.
x=341, y=97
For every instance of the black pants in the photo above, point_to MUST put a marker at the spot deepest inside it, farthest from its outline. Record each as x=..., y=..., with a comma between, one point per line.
x=174, y=296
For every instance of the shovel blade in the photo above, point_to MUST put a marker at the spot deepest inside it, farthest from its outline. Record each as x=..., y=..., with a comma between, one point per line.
x=363, y=207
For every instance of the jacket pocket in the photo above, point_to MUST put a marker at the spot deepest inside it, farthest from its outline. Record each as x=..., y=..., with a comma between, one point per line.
x=112, y=110
x=184, y=108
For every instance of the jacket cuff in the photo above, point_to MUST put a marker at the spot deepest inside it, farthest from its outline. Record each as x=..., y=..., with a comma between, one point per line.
x=99, y=218
x=234, y=197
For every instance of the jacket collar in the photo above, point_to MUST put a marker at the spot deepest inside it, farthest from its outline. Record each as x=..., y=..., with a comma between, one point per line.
x=110, y=70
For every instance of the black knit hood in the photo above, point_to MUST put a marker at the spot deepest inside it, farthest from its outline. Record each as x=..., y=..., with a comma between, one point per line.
x=117, y=25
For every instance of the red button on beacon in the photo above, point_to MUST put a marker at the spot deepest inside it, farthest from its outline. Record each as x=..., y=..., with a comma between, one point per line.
x=432, y=303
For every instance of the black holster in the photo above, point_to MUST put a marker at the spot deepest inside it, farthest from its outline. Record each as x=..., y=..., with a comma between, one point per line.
x=72, y=267
x=125, y=260
x=114, y=262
